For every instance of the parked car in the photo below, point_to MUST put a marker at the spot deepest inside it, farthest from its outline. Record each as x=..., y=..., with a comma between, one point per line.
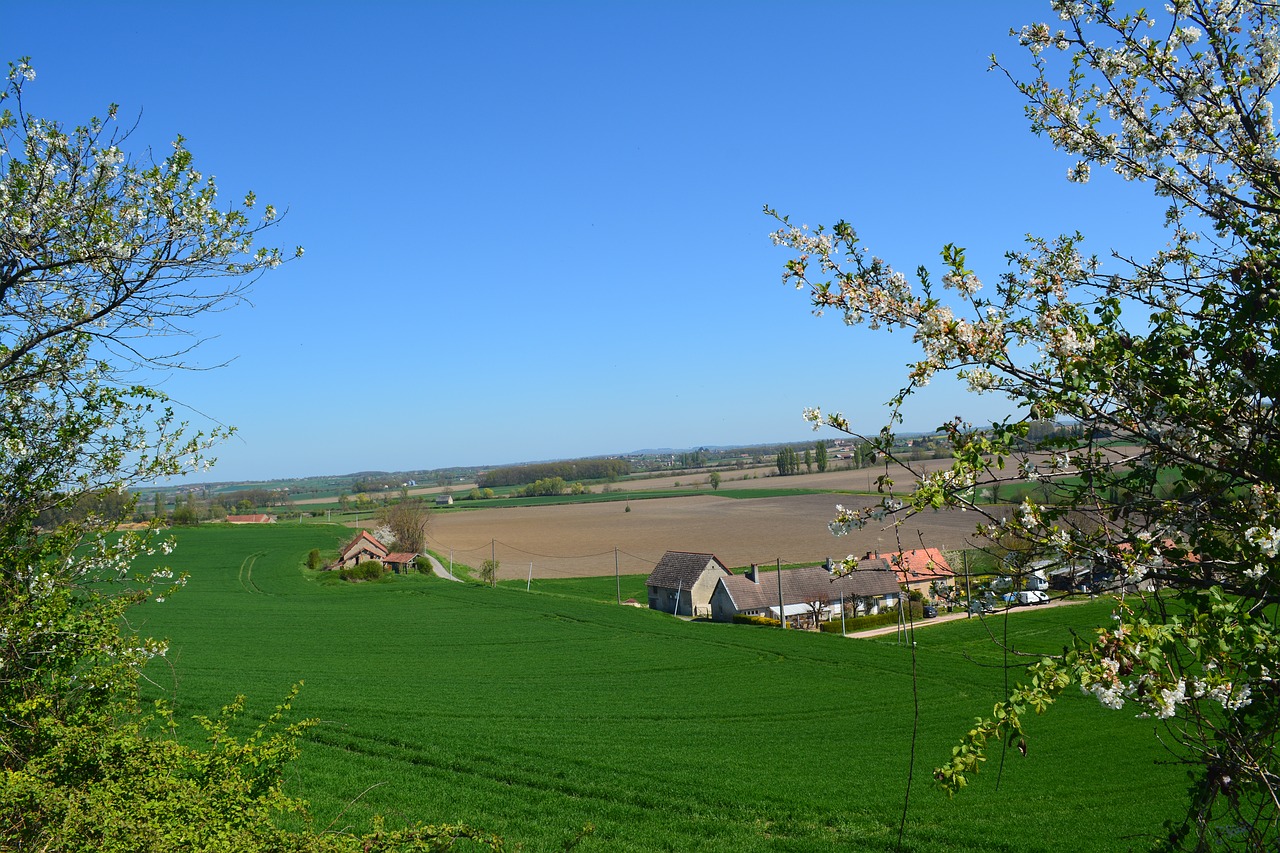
x=1033, y=596
x=980, y=605
x=930, y=612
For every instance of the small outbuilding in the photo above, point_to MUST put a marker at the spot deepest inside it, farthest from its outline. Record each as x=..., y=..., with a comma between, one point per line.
x=257, y=518
x=683, y=581
x=400, y=562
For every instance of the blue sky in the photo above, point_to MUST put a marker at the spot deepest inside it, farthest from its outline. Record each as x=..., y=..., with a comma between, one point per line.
x=534, y=230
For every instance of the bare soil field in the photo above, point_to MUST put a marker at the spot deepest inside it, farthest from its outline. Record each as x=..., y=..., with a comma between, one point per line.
x=857, y=480
x=579, y=540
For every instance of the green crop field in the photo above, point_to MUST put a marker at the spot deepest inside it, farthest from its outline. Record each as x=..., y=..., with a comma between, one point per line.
x=535, y=714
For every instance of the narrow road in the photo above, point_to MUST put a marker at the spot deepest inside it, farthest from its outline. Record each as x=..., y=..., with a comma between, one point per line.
x=951, y=617
x=439, y=570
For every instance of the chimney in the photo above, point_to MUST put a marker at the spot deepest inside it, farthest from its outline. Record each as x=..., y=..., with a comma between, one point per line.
x=753, y=573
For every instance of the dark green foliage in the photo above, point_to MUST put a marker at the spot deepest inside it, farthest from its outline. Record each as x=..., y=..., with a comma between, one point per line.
x=788, y=461
x=313, y=559
x=580, y=469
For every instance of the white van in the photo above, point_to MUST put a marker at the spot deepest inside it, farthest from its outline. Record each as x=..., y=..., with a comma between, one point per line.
x=1033, y=596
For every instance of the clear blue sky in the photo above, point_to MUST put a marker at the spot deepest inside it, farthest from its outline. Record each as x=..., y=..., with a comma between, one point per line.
x=534, y=230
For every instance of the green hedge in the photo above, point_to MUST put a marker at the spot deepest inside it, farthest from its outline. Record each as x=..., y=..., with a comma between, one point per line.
x=866, y=623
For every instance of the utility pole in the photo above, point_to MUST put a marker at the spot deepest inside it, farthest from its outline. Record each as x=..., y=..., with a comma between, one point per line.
x=968, y=592
x=782, y=607
x=617, y=579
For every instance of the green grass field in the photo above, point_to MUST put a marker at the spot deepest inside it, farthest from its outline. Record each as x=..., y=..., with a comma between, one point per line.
x=535, y=714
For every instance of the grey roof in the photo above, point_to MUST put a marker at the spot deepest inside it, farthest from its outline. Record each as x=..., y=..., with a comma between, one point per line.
x=682, y=569
x=870, y=578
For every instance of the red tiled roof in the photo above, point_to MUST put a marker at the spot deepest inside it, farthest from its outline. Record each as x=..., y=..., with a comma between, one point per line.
x=366, y=538
x=919, y=564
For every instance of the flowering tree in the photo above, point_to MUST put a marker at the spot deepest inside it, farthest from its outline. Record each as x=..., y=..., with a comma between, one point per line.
x=1167, y=366
x=103, y=262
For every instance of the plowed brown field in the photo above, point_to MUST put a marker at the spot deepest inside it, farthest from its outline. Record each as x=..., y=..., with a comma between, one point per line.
x=578, y=540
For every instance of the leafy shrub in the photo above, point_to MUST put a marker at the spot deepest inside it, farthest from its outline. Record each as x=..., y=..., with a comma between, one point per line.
x=369, y=570
x=422, y=564
x=313, y=559
x=744, y=619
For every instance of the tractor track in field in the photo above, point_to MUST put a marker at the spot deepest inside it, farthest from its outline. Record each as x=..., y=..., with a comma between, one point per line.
x=246, y=573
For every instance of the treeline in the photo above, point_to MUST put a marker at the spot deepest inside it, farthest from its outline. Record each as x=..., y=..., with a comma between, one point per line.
x=247, y=499
x=109, y=505
x=580, y=469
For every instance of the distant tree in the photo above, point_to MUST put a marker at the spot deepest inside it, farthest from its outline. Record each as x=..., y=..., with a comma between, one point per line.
x=313, y=559
x=489, y=572
x=714, y=480
x=157, y=505
x=808, y=461
x=820, y=456
x=407, y=520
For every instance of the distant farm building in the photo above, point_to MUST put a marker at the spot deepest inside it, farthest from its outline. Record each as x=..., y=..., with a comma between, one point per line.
x=682, y=583
x=258, y=518
x=807, y=595
x=919, y=569
x=363, y=547
x=444, y=500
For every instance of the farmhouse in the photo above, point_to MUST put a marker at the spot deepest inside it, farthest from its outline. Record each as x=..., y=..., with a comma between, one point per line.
x=258, y=518
x=682, y=583
x=918, y=570
x=363, y=547
x=806, y=595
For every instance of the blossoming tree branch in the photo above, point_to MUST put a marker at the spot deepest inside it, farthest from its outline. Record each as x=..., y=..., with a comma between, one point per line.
x=1165, y=367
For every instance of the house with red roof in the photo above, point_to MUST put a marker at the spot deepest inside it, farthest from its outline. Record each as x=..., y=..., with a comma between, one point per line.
x=364, y=546
x=919, y=569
